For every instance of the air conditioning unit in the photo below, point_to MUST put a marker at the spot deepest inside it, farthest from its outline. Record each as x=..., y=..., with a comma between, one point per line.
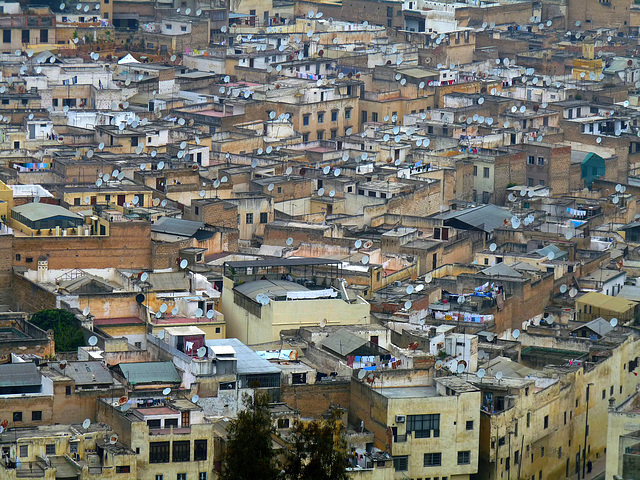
x=400, y=418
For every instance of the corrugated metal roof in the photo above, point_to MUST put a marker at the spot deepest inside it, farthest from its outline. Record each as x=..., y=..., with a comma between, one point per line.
x=86, y=373
x=248, y=361
x=169, y=282
x=149, y=372
x=19, y=375
x=273, y=288
x=40, y=211
x=483, y=217
x=598, y=325
x=343, y=342
x=176, y=226
x=501, y=270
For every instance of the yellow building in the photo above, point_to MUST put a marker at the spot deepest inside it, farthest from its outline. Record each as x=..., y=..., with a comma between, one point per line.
x=6, y=200
x=588, y=64
x=623, y=437
x=431, y=427
x=593, y=305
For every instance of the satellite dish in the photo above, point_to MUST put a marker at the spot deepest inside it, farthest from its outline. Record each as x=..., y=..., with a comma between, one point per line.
x=362, y=374
x=460, y=367
x=419, y=288
x=515, y=333
x=461, y=299
x=289, y=241
x=439, y=364
x=573, y=292
x=271, y=187
x=93, y=340
x=195, y=399
x=428, y=278
x=358, y=243
x=365, y=260
x=113, y=439
x=184, y=263
x=499, y=376
x=198, y=313
x=407, y=305
x=86, y=311
x=551, y=255
x=614, y=322
x=481, y=373
x=174, y=311
x=86, y=424
x=158, y=315
x=409, y=289
x=493, y=247
x=320, y=191
x=332, y=193
x=210, y=314
x=568, y=235
x=202, y=351
x=161, y=334
x=163, y=308
x=166, y=391
x=563, y=288
x=489, y=337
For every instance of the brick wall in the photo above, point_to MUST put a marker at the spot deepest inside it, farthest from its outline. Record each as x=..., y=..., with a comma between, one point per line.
x=29, y=297
x=314, y=400
x=509, y=169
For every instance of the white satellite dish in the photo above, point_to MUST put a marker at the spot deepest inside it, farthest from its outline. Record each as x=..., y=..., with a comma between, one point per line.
x=460, y=367
x=573, y=292
x=198, y=313
x=174, y=311
x=166, y=391
x=202, y=351
x=320, y=191
x=493, y=247
x=407, y=305
x=439, y=364
x=86, y=311
x=210, y=314
x=86, y=424
x=163, y=308
x=161, y=334
x=563, y=288
x=358, y=243
x=515, y=333
x=419, y=288
x=490, y=337
x=93, y=340
x=499, y=376
x=184, y=263
x=481, y=373
x=551, y=255
x=614, y=322
x=461, y=299
x=428, y=278
x=365, y=260
x=195, y=399
x=409, y=289
x=362, y=374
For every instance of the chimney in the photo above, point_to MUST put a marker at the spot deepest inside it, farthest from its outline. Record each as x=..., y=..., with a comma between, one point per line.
x=43, y=269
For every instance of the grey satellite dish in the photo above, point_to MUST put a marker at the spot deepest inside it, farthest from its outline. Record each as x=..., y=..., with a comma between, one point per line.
x=409, y=289
x=202, y=351
x=365, y=260
x=86, y=311
x=174, y=311
x=289, y=241
x=198, y=313
x=195, y=399
x=481, y=373
x=210, y=314
x=166, y=391
x=163, y=308
x=550, y=319
x=106, y=177
x=121, y=176
x=86, y=424
x=614, y=322
x=460, y=368
x=93, y=340
x=288, y=171
x=271, y=187
x=493, y=247
x=362, y=374
x=490, y=337
x=515, y=333
x=563, y=288
x=216, y=183
x=407, y=305
x=184, y=263
x=428, y=278
x=320, y=191
x=551, y=255
x=144, y=277
x=499, y=376
x=573, y=292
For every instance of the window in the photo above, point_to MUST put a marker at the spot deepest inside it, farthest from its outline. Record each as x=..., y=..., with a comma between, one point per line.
x=183, y=29
x=604, y=393
x=134, y=141
x=280, y=188
x=432, y=459
x=29, y=259
x=123, y=469
x=6, y=36
x=334, y=115
x=334, y=133
x=264, y=217
x=200, y=450
x=565, y=418
x=17, y=416
x=24, y=450
x=202, y=476
x=540, y=160
x=67, y=390
x=401, y=464
x=464, y=457
x=469, y=424
x=320, y=117
x=320, y=134
x=546, y=421
x=25, y=36
x=217, y=329
x=305, y=120
x=501, y=441
x=486, y=172
x=185, y=420
x=248, y=218
x=305, y=137
x=158, y=452
x=181, y=451
x=44, y=35
x=389, y=11
x=531, y=160
x=475, y=170
x=374, y=116
x=541, y=452
x=50, y=449
x=283, y=423
x=169, y=26
x=347, y=113
x=36, y=415
x=181, y=476
x=159, y=477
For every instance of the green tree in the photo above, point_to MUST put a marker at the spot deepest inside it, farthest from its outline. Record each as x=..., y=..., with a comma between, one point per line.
x=317, y=451
x=249, y=453
x=66, y=331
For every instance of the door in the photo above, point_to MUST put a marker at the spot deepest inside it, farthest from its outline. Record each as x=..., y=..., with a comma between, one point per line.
x=121, y=200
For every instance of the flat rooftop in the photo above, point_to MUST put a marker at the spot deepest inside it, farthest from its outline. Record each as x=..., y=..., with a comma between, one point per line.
x=407, y=392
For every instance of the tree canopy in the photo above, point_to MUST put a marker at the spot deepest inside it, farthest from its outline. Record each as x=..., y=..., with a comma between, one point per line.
x=249, y=453
x=66, y=331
